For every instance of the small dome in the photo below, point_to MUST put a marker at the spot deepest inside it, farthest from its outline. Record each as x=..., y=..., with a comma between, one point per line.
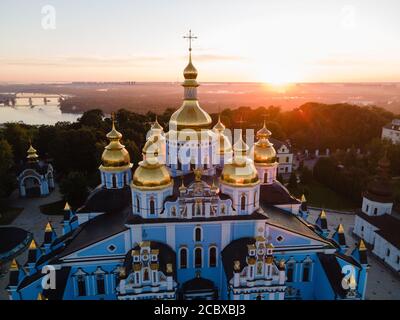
x=115, y=155
x=32, y=154
x=151, y=175
x=191, y=116
x=241, y=173
x=264, y=152
x=190, y=72
x=263, y=132
x=219, y=126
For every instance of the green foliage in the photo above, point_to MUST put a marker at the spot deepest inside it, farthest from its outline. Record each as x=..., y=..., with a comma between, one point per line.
x=74, y=188
x=305, y=175
x=293, y=180
x=7, y=179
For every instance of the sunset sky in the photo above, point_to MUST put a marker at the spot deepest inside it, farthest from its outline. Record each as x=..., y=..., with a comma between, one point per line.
x=254, y=40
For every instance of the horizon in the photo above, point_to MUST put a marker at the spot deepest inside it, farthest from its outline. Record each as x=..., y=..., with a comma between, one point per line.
x=342, y=42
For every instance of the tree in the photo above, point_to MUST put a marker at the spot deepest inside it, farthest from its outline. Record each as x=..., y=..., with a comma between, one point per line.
x=293, y=180
x=74, y=188
x=7, y=178
x=305, y=175
x=92, y=118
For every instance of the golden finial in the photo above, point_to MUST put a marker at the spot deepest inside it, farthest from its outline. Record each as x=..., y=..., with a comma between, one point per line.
x=169, y=268
x=197, y=174
x=219, y=126
x=322, y=215
x=303, y=198
x=41, y=297
x=32, y=152
x=14, y=265
x=340, y=228
x=67, y=207
x=33, y=245
x=49, y=228
x=236, y=265
x=361, y=245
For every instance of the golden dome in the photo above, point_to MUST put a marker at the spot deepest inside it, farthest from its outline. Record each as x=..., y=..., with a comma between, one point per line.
x=219, y=126
x=151, y=175
x=154, y=146
x=32, y=154
x=263, y=150
x=190, y=72
x=241, y=172
x=191, y=116
x=115, y=156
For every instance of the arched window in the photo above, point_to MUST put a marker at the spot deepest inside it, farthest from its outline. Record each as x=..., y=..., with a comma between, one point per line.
x=243, y=202
x=183, y=258
x=152, y=206
x=198, y=258
x=290, y=271
x=306, y=271
x=125, y=179
x=212, y=257
x=266, y=176
x=146, y=274
x=375, y=211
x=114, y=181
x=100, y=284
x=197, y=234
x=81, y=285
x=137, y=204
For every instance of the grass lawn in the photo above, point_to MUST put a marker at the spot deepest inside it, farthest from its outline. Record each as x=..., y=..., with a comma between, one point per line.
x=53, y=208
x=8, y=215
x=319, y=195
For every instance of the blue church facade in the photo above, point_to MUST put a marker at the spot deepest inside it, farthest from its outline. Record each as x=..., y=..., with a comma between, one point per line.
x=214, y=226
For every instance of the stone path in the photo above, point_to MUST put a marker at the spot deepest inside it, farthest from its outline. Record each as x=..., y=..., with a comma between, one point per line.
x=382, y=284
x=31, y=219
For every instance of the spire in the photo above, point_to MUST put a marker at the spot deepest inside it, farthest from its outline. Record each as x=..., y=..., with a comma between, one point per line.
x=33, y=245
x=361, y=246
x=339, y=236
x=360, y=253
x=240, y=147
x=322, y=222
x=67, y=207
x=32, y=153
x=303, y=198
x=48, y=228
x=219, y=126
x=263, y=133
x=14, y=265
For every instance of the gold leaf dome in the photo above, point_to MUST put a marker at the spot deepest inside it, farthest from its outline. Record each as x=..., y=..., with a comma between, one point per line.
x=115, y=156
x=150, y=174
x=190, y=116
x=32, y=154
x=224, y=145
x=190, y=72
x=263, y=150
x=241, y=172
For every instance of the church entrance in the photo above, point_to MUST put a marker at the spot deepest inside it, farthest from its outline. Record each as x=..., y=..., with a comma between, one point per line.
x=199, y=289
x=32, y=187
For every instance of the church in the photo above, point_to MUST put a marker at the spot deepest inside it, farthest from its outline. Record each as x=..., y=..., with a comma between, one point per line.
x=201, y=217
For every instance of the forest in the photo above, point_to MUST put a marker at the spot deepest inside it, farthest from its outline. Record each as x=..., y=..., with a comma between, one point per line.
x=75, y=149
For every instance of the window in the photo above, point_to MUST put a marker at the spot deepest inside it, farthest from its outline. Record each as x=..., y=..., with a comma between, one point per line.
x=287, y=159
x=388, y=253
x=126, y=179
x=306, y=272
x=81, y=286
x=138, y=204
x=212, y=257
x=197, y=234
x=137, y=278
x=173, y=211
x=243, y=202
x=114, y=181
x=290, y=272
x=398, y=259
x=197, y=258
x=255, y=199
x=362, y=228
x=375, y=211
x=100, y=284
x=279, y=239
x=111, y=248
x=146, y=274
x=266, y=177
x=366, y=208
x=183, y=258
x=152, y=207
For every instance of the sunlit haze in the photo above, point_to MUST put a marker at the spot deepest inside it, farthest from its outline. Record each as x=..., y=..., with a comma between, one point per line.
x=276, y=42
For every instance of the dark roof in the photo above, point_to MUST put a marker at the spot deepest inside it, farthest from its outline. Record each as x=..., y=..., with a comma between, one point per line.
x=166, y=255
x=286, y=220
x=275, y=194
x=333, y=272
x=104, y=200
x=236, y=250
x=97, y=229
x=11, y=238
x=277, y=143
x=388, y=226
x=136, y=219
x=198, y=284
